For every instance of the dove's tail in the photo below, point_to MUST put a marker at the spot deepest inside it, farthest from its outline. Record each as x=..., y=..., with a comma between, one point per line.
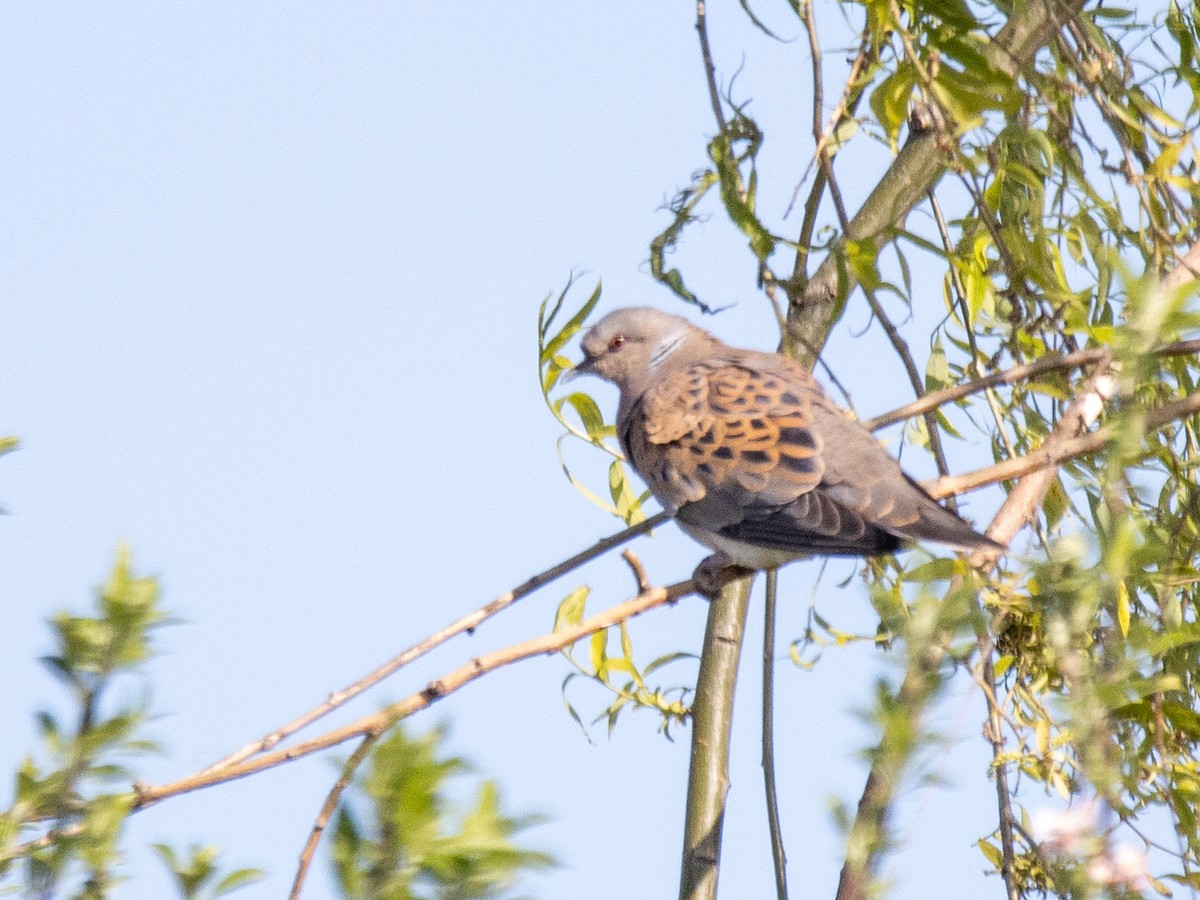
x=940, y=526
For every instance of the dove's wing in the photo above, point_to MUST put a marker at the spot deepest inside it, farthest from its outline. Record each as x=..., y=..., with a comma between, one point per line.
x=737, y=450
x=752, y=450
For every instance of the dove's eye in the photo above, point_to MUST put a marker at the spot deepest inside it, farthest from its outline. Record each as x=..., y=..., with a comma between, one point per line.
x=616, y=343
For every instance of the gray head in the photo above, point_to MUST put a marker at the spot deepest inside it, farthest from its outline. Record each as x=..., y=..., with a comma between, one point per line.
x=630, y=346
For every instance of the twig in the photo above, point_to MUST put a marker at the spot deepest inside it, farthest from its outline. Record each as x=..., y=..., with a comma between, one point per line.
x=778, y=855
x=380, y=721
x=851, y=95
x=1051, y=455
x=960, y=297
x=1055, y=363
x=467, y=623
x=995, y=735
x=639, y=571
x=327, y=808
x=710, y=71
x=914, y=379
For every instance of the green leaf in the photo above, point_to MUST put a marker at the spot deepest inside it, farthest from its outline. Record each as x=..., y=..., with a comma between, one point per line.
x=628, y=504
x=991, y=852
x=737, y=195
x=589, y=414
x=599, y=648
x=889, y=100
x=238, y=878
x=549, y=346
x=954, y=13
x=937, y=369
x=1123, y=608
x=570, y=610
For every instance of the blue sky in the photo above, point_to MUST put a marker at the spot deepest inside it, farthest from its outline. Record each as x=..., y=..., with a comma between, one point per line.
x=270, y=276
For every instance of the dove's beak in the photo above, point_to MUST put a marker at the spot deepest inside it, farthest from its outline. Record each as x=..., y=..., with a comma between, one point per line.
x=586, y=366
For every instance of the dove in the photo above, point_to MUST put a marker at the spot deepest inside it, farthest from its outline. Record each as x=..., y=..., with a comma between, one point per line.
x=750, y=455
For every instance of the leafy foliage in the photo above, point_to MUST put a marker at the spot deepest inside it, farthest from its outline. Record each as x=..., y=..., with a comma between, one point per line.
x=1051, y=182
x=197, y=876
x=620, y=674
x=394, y=838
x=591, y=427
x=62, y=831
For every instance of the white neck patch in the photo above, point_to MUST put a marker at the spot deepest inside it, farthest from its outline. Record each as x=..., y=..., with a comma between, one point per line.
x=667, y=346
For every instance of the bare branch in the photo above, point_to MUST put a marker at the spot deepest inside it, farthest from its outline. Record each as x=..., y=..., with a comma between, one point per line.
x=467, y=623
x=376, y=723
x=778, y=855
x=710, y=70
x=327, y=808
x=639, y=571
x=1051, y=454
x=1055, y=363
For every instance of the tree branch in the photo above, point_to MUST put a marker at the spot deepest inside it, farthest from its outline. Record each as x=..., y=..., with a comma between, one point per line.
x=331, y=801
x=712, y=719
x=378, y=722
x=467, y=623
x=814, y=306
x=1054, y=363
x=778, y=855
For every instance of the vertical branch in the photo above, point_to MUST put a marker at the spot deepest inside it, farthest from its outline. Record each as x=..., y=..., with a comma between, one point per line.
x=899, y=739
x=994, y=726
x=710, y=70
x=995, y=736
x=768, y=738
x=712, y=719
x=327, y=808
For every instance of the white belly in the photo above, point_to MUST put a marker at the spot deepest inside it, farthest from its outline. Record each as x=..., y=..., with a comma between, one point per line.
x=746, y=555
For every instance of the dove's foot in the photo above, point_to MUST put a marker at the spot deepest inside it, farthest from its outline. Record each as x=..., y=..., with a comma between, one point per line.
x=715, y=572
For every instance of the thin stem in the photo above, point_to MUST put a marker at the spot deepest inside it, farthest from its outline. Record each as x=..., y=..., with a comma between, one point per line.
x=995, y=734
x=778, y=855
x=466, y=623
x=327, y=809
x=710, y=70
x=1056, y=363
x=914, y=378
x=430, y=694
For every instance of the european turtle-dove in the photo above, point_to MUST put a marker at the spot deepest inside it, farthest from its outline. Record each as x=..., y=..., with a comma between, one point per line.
x=749, y=453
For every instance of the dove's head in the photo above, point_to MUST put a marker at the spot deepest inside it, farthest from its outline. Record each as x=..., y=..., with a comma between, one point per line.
x=631, y=346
